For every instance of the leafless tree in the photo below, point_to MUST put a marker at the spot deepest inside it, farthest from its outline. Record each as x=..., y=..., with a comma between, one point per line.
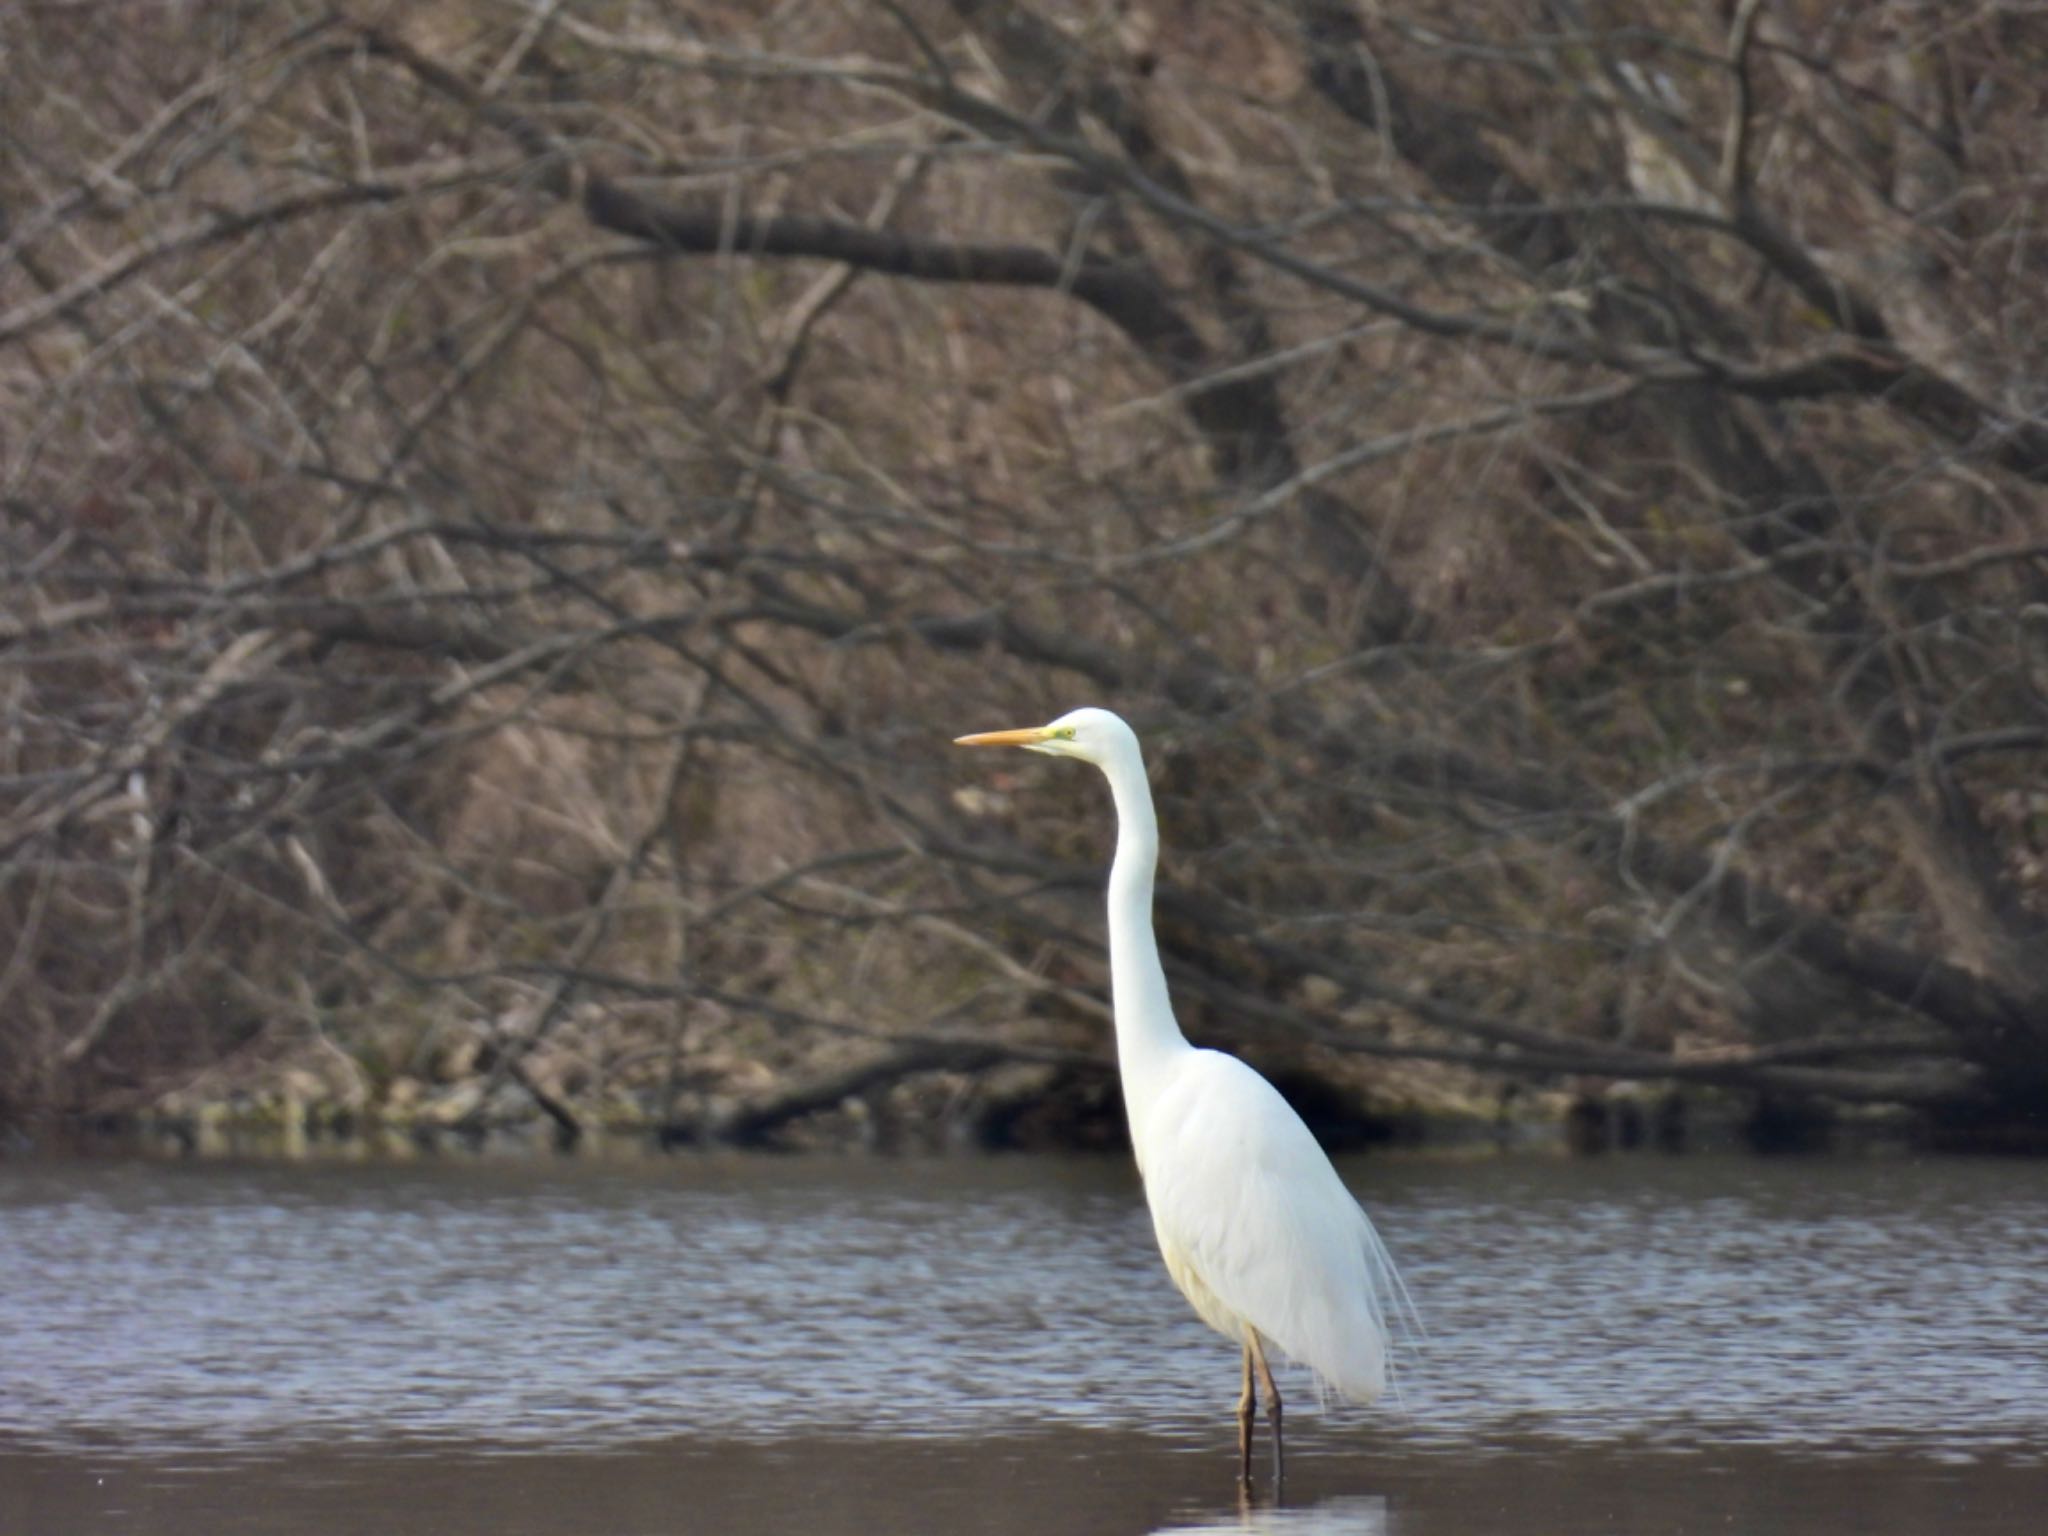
x=505, y=503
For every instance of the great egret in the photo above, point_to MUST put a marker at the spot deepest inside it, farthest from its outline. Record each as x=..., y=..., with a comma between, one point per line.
x=1256, y=1228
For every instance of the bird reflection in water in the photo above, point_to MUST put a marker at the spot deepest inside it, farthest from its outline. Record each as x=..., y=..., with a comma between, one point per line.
x=1350, y=1515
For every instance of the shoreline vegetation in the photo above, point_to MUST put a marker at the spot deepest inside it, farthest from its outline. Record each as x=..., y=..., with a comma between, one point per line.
x=297, y=1113
x=503, y=509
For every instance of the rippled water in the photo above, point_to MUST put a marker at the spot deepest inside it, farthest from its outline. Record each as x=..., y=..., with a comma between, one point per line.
x=1825, y=1307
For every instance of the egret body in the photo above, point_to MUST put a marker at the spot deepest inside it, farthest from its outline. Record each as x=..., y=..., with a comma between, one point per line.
x=1256, y=1228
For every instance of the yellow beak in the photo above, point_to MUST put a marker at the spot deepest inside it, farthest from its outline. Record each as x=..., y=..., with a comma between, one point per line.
x=1023, y=738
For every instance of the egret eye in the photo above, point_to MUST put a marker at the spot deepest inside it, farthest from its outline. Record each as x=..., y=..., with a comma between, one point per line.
x=1066, y=733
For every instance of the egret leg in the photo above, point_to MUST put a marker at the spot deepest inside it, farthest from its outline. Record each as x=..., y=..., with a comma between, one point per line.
x=1247, y=1415
x=1255, y=1354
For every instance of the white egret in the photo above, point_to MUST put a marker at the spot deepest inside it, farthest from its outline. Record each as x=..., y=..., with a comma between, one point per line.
x=1256, y=1228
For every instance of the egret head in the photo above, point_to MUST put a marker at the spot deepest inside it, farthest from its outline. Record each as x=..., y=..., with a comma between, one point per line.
x=1093, y=735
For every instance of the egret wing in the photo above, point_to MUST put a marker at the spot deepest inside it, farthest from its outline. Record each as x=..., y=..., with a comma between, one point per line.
x=1257, y=1228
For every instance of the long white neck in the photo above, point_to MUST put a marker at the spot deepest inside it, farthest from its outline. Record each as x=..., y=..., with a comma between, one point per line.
x=1147, y=1037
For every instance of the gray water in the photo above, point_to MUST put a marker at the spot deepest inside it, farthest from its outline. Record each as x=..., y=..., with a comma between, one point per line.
x=1807, y=1345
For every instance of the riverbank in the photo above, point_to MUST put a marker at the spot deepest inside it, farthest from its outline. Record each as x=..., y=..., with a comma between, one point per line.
x=296, y=1114
x=596, y=1082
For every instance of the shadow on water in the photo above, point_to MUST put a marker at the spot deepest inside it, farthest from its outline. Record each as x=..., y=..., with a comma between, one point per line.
x=1078, y=1482
x=1822, y=1348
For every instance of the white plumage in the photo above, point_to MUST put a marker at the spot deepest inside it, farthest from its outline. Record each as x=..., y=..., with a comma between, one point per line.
x=1256, y=1228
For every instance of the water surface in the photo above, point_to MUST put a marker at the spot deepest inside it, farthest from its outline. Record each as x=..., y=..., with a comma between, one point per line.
x=1804, y=1345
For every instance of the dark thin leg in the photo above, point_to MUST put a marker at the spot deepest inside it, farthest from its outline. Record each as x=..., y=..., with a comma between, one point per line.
x=1247, y=1415
x=1258, y=1357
